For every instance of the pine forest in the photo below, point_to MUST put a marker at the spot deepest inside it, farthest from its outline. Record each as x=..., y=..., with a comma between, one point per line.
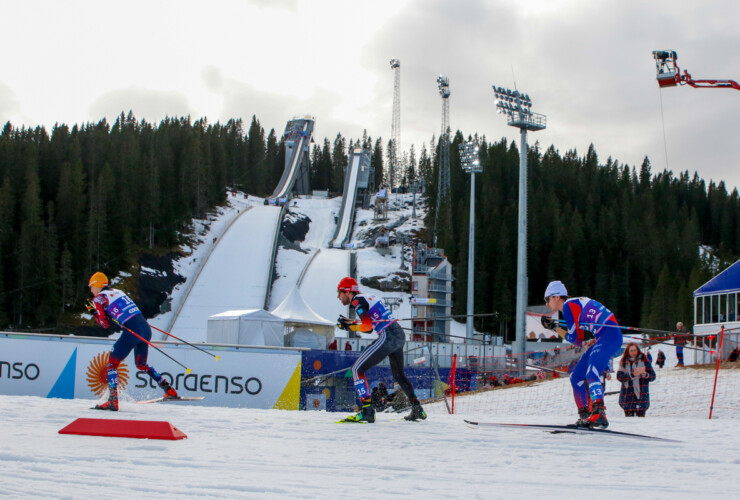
x=97, y=196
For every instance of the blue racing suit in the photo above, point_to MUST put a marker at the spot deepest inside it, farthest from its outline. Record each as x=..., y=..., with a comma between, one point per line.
x=581, y=314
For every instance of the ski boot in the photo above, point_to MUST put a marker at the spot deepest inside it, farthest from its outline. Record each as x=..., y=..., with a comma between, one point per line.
x=417, y=413
x=597, y=419
x=112, y=403
x=366, y=414
x=583, y=414
x=169, y=392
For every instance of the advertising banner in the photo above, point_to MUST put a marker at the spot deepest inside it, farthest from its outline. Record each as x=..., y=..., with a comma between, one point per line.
x=75, y=367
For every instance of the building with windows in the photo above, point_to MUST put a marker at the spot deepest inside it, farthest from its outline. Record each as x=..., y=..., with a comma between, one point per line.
x=716, y=305
x=431, y=294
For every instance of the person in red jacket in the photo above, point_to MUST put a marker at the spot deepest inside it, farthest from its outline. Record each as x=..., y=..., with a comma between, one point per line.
x=114, y=305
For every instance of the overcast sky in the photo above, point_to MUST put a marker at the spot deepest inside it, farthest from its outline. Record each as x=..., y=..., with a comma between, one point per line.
x=586, y=64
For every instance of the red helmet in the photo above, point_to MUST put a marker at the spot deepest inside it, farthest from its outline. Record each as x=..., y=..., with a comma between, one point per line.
x=348, y=285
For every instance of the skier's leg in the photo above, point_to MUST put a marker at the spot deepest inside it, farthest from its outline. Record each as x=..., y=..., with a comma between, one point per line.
x=141, y=353
x=599, y=355
x=370, y=357
x=120, y=350
x=578, y=381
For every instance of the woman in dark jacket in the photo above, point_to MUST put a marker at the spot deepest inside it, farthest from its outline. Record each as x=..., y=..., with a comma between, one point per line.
x=635, y=373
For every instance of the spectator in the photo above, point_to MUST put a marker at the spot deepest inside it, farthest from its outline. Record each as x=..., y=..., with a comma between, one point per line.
x=398, y=399
x=333, y=345
x=635, y=373
x=376, y=399
x=661, y=359
x=383, y=391
x=347, y=346
x=680, y=341
x=734, y=354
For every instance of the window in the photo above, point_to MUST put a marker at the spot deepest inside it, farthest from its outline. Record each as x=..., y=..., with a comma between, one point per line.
x=707, y=310
x=698, y=310
x=715, y=308
x=731, y=303
x=723, y=308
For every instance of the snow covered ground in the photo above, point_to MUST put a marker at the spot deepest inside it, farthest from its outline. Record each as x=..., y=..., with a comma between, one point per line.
x=263, y=454
x=248, y=453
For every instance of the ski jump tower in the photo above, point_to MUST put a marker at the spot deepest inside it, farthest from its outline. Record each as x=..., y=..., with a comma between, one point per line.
x=393, y=154
x=296, y=175
x=444, y=140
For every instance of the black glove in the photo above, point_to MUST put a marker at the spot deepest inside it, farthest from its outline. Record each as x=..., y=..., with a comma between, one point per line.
x=89, y=305
x=343, y=323
x=548, y=323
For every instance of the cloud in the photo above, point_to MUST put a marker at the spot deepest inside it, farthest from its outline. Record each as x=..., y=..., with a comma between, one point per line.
x=587, y=65
x=273, y=110
x=290, y=5
x=151, y=105
x=9, y=106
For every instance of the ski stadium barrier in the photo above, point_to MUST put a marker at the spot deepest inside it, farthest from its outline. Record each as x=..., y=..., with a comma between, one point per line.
x=70, y=367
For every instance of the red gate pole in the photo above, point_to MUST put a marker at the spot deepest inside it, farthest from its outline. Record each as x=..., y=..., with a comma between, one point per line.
x=452, y=388
x=716, y=371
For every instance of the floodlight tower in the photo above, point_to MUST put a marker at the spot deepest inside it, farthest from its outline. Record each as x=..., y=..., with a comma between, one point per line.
x=395, y=124
x=443, y=84
x=518, y=109
x=471, y=164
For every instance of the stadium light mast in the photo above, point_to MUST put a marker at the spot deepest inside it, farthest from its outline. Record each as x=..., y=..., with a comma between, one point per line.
x=443, y=83
x=395, y=124
x=517, y=106
x=470, y=161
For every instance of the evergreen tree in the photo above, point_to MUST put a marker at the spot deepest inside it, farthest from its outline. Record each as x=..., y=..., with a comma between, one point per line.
x=339, y=161
x=377, y=163
x=30, y=247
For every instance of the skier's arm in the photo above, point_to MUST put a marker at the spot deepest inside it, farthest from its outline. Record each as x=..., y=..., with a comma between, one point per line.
x=574, y=335
x=362, y=309
x=100, y=301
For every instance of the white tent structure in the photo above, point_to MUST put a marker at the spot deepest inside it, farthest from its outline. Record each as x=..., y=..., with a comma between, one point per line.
x=246, y=327
x=303, y=326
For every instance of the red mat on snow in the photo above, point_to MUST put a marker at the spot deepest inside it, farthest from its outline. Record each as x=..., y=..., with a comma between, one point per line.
x=137, y=429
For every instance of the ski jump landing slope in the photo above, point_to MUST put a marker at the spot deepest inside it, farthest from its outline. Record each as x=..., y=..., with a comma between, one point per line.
x=236, y=275
x=319, y=284
x=347, y=211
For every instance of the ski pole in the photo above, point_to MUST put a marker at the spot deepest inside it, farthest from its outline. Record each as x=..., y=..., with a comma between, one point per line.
x=635, y=330
x=553, y=370
x=655, y=342
x=187, y=370
x=184, y=341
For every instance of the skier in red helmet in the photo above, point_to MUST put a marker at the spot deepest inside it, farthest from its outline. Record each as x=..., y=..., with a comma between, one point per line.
x=375, y=316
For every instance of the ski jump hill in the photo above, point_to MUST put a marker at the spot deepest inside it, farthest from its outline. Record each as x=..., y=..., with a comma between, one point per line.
x=331, y=264
x=238, y=273
x=356, y=177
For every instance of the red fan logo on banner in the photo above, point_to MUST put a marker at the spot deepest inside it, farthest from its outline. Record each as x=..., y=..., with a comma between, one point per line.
x=97, y=374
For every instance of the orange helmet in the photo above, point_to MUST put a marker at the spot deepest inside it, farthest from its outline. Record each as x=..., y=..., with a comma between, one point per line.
x=99, y=280
x=348, y=284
